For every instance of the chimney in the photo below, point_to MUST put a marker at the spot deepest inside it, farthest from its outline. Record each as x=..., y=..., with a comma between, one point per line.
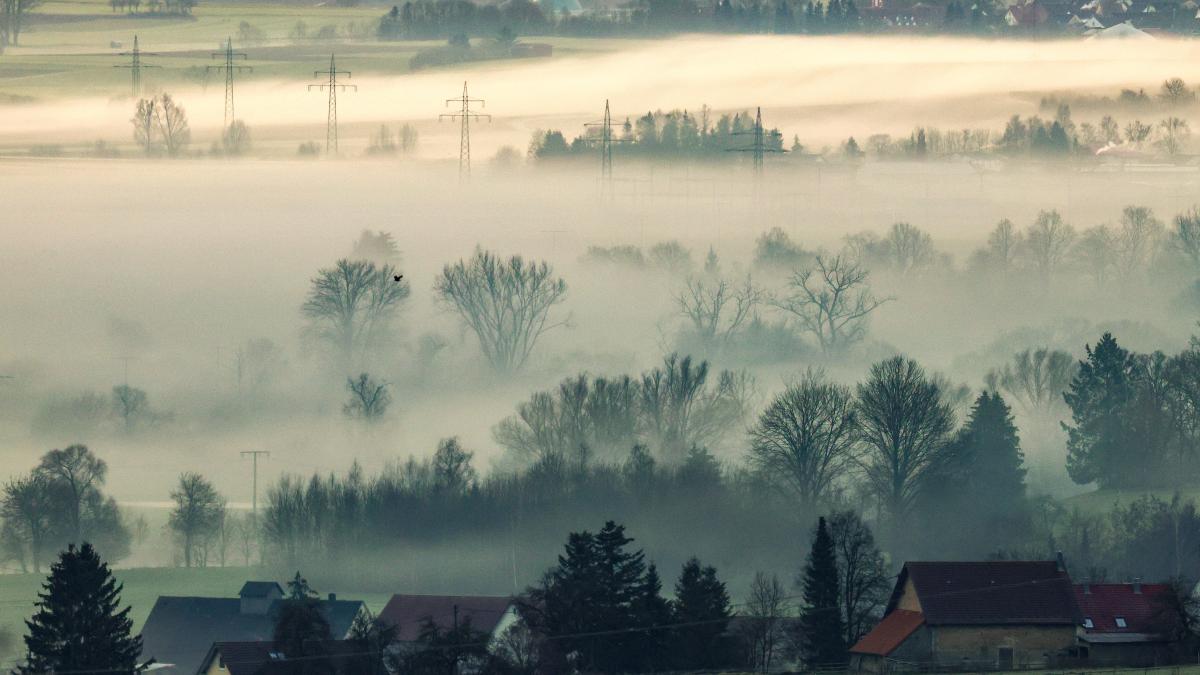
x=1137, y=585
x=1061, y=561
x=333, y=597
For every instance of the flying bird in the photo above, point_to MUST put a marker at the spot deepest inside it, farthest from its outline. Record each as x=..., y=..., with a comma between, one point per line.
x=398, y=277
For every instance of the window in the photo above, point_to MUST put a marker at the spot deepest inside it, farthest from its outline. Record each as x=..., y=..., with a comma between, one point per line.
x=1121, y=622
x=1088, y=623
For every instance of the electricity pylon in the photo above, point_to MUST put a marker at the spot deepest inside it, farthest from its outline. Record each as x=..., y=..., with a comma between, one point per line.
x=135, y=65
x=758, y=147
x=465, y=114
x=331, y=130
x=229, y=68
x=606, y=141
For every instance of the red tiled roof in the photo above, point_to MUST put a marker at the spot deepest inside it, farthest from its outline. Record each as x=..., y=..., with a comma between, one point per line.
x=409, y=612
x=998, y=592
x=1143, y=612
x=889, y=633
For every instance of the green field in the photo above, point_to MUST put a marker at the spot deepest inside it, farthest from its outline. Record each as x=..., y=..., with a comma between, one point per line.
x=67, y=48
x=18, y=592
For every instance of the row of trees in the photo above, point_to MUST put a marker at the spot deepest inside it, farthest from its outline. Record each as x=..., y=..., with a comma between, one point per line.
x=160, y=128
x=663, y=135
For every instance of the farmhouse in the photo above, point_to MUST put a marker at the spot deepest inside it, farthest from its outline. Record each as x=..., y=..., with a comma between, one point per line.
x=1125, y=624
x=973, y=615
x=181, y=631
x=491, y=615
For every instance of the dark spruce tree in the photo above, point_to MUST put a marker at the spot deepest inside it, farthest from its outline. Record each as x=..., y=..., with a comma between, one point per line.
x=1100, y=441
x=701, y=610
x=991, y=448
x=78, y=626
x=822, y=637
x=301, y=629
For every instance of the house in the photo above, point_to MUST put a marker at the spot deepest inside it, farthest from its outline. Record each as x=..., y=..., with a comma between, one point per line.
x=337, y=657
x=180, y=631
x=1125, y=624
x=973, y=615
x=487, y=614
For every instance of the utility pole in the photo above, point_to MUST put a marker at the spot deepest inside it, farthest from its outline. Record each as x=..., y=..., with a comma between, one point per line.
x=229, y=68
x=135, y=66
x=331, y=130
x=758, y=147
x=253, y=454
x=606, y=141
x=126, y=359
x=465, y=115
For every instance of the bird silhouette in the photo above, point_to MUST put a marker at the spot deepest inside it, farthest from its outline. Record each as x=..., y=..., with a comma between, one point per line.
x=398, y=277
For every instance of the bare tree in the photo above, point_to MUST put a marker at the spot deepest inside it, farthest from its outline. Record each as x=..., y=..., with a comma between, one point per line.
x=197, y=518
x=831, y=301
x=351, y=304
x=256, y=363
x=1136, y=132
x=80, y=474
x=716, y=309
x=369, y=400
x=680, y=411
x=172, y=123
x=999, y=255
x=25, y=508
x=1173, y=134
x=1186, y=235
x=452, y=470
x=1140, y=239
x=12, y=20
x=1175, y=92
x=506, y=303
x=1110, y=131
x=1097, y=252
x=1036, y=378
x=904, y=424
x=144, y=128
x=765, y=610
x=863, y=577
x=130, y=404
x=805, y=440
x=1046, y=244
x=909, y=249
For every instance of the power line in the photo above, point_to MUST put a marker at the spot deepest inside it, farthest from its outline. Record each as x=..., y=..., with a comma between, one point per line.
x=759, y=146
x=135, y=65
x=606, y=141
x=229, y=68
x=254, y=454
x=331, y=120
x=465, y=115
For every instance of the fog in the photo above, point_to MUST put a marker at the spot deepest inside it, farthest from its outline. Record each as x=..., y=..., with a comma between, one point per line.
x=821, y=88
x=156, y=272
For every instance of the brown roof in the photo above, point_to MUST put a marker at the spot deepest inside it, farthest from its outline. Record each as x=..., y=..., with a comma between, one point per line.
x=1144, y=609
x=889, y=633
x=999, y=592
x=409, y=612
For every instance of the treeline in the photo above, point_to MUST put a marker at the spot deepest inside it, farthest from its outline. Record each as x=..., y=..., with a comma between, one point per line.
x=674, y=134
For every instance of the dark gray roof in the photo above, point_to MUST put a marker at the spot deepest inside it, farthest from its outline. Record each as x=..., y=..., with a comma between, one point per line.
x=259, y=589
x=180, y=630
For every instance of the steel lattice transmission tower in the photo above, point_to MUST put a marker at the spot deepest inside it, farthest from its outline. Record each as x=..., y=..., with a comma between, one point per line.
x=135, y=65
x=759, y=145
x=606, y=140
x=229, y=68
x=465, y=115
x=331, y=120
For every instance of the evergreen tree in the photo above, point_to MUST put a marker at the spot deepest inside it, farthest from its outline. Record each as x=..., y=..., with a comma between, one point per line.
x=991, y=449
x=823, y=640
x=702, y=609
x=77, y=627
x=651, y=611
x=598, y=585
x=300, y=625
x=1100, y=444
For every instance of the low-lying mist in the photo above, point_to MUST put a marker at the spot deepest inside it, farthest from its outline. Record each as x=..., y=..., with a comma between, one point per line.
x=820, y=88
